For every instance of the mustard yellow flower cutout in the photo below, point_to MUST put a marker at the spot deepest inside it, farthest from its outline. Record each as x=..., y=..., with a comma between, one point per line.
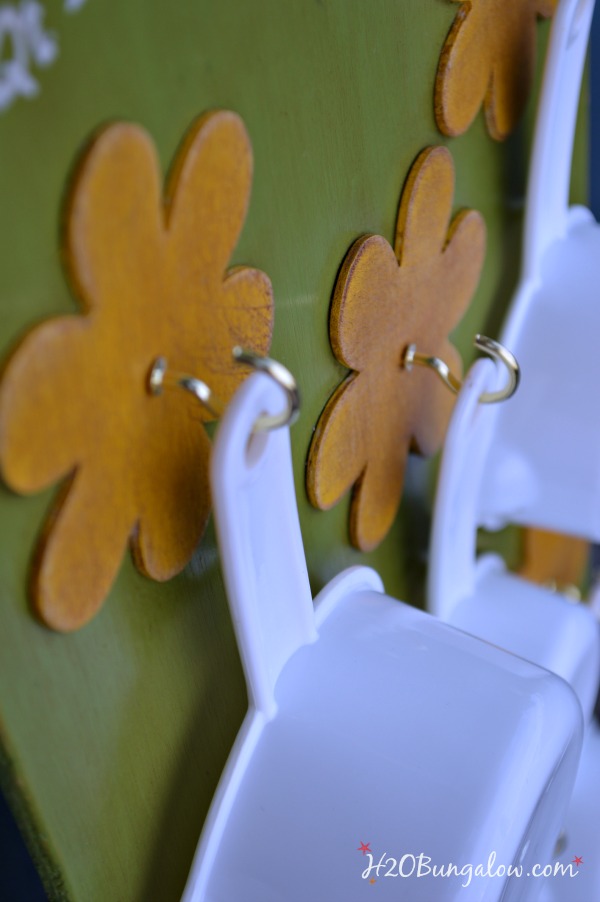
x=488, y=59
x=150, y=274
x=385, y=299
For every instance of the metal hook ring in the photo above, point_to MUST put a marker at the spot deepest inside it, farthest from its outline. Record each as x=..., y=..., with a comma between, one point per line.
x=162, y=377
x=282, y=376
x=411, y=356
x=498, y=352
x=493, y=348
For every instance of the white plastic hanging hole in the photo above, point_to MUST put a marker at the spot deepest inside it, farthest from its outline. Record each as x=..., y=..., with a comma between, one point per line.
x=578, y=17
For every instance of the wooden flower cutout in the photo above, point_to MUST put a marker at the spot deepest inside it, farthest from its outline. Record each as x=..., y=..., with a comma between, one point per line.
x=385, y=299
x=150, y=273
x=489, y=59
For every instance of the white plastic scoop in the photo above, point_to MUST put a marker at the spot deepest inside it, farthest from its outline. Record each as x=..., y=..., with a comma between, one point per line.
x=534, y=459
x=379, y=741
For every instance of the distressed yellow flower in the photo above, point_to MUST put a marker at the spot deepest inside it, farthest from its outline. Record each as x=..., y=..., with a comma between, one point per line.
x=488, y=60
x=149, y=270
x=384, y=300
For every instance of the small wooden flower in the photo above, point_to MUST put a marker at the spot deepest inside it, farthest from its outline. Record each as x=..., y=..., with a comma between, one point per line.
x=385, y=299
x=150, y=274
x=489, y=59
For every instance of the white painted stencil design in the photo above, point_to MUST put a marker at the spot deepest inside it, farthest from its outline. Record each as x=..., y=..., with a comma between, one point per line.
x=25, y=43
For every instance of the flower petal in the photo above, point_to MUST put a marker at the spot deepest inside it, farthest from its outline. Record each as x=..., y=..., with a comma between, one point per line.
x=442, y=292
x=462, y=262
x=41, y=434
x=81, y=550
x=114, y=219
x=512, y=72
x=363, y=300
x=432, y=403
x=240, y=313
x=174, y=506
x=425, y=208
x=545, y=8
x=377, y=495
x=463, y=72
x=207, y=197
x=339, y=450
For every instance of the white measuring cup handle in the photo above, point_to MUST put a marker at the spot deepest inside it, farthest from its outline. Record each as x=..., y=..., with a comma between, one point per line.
x=259, y=538
x=549, y=176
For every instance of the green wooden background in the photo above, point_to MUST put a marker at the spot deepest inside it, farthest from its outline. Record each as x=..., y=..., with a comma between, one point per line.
x=113, y=739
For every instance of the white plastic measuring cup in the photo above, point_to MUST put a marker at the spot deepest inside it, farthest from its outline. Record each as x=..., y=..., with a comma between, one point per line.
x=379, y=741
x=534, y=459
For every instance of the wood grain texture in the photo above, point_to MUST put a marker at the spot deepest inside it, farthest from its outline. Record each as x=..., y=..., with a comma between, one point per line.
x=385, y=299
x=150, y=274
x=488, y=60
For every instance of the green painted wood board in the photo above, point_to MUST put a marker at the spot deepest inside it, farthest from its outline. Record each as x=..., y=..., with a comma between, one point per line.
x=113, y=739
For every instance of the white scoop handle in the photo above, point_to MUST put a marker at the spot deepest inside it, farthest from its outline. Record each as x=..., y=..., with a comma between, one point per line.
x=260, y=540
x=550, y=174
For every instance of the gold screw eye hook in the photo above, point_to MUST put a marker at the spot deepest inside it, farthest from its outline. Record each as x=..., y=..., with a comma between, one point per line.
x=284, y=378
x=490, y=347
x=498, y=352
x=162, y=377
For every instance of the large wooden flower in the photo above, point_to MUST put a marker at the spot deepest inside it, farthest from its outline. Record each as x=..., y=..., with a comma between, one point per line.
x=150, y=273
x=386, y=299
x=489, y=59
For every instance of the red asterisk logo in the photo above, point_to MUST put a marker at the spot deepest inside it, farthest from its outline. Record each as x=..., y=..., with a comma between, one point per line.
x=578, y=860
x=364, y=848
